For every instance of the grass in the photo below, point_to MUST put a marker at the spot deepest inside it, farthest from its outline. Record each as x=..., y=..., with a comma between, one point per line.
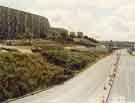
x=21, y=74
x=24, y=73
x=68, y=59
x=72, y=61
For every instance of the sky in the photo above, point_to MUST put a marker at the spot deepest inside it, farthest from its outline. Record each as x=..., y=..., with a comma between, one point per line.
x=101, y=19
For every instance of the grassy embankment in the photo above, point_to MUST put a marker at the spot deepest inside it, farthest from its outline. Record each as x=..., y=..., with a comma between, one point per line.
x=24, y=73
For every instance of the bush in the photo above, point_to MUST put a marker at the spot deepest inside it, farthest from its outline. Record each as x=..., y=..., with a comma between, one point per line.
x=21, y=74
x=68, y=59
x=24, y=73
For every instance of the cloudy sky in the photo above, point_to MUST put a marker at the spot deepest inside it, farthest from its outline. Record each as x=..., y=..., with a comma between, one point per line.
x=102, y=19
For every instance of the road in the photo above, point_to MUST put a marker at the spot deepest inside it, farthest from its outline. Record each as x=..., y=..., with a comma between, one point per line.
x=123, y=90
x=88, y=87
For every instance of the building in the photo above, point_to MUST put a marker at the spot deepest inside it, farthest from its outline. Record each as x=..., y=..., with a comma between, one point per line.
x=14, y=21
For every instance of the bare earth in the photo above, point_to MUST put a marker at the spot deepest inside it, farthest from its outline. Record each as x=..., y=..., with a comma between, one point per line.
x=22, y=49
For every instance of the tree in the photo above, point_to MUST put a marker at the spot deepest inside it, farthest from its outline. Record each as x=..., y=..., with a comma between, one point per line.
x=72, y=35
x=86, y=37
x=80, y=34
x=25, y=36
x=20, y=35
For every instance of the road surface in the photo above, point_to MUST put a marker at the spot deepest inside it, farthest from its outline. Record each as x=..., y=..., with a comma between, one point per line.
x=88, y=87
x=123, y=90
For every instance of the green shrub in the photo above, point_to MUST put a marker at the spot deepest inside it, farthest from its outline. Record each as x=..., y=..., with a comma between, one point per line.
x=21, y=74
x=24, y=73
x=68, y=59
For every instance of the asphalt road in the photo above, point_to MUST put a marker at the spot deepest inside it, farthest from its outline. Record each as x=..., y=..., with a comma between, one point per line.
x=123, y=90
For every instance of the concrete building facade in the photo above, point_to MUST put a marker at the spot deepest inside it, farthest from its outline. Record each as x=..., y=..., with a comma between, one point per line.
x=14, y=21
